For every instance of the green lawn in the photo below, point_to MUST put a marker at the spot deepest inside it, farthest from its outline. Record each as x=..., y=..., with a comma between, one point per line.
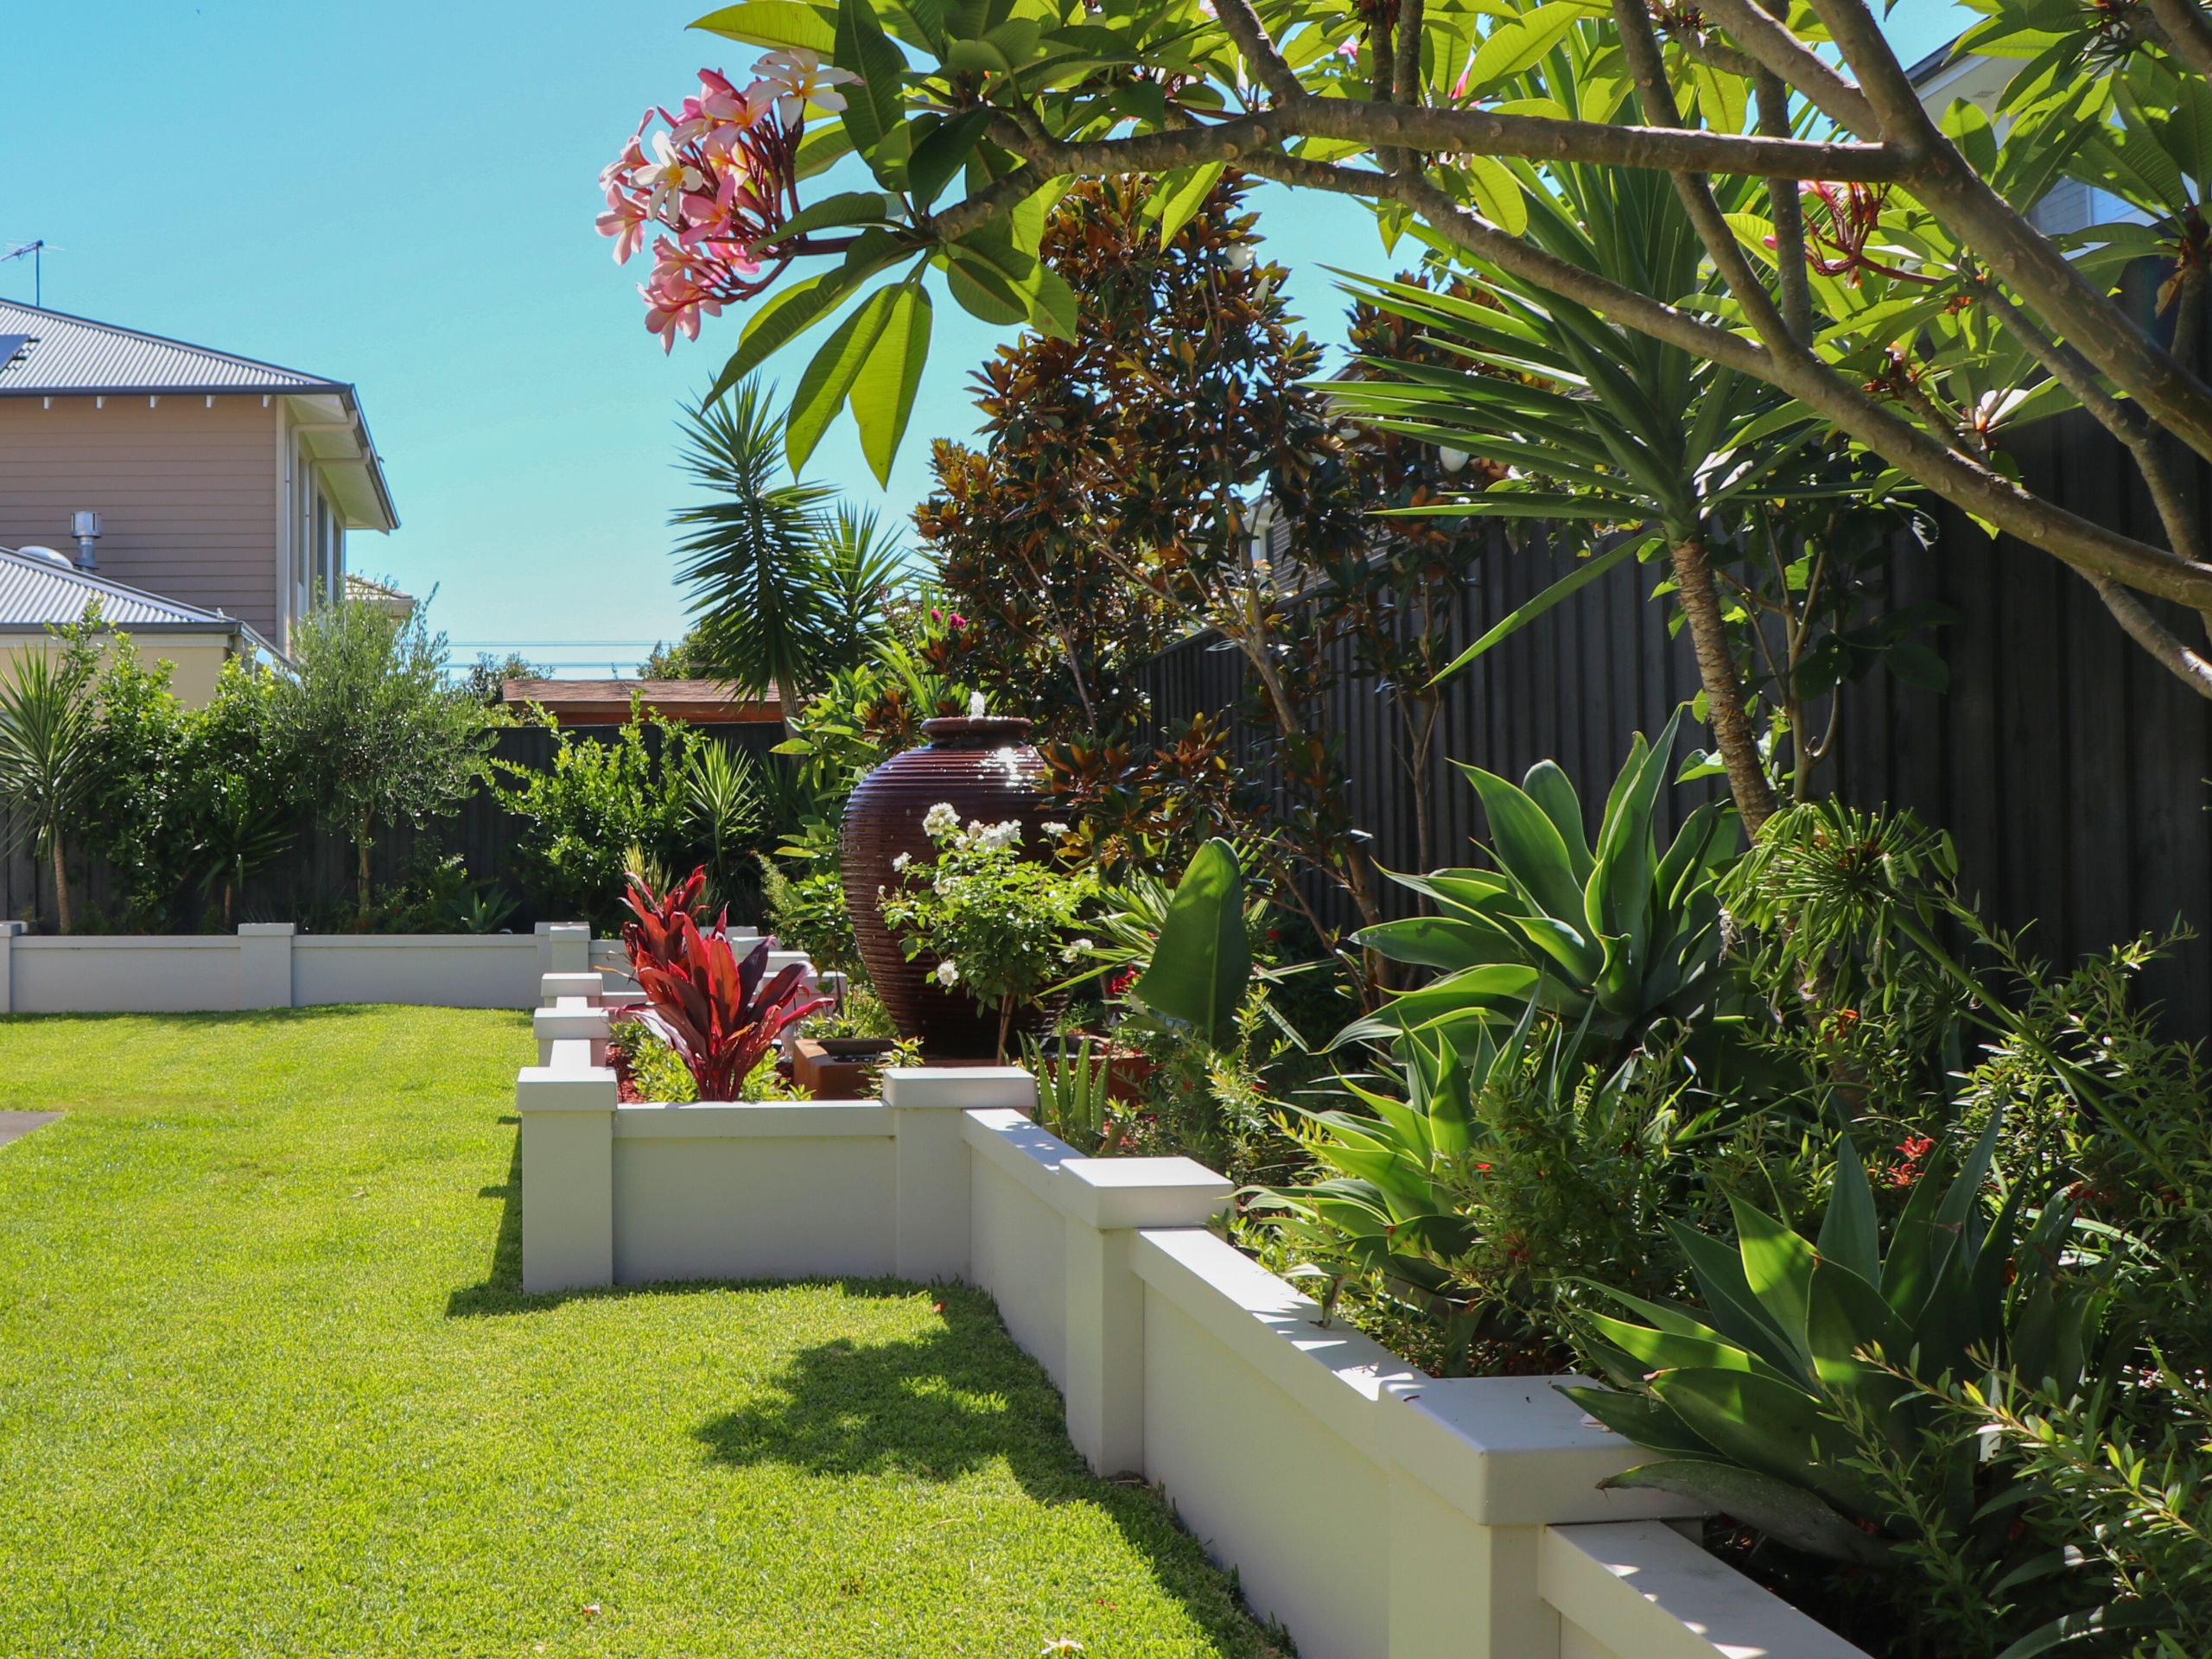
x=268, y=1386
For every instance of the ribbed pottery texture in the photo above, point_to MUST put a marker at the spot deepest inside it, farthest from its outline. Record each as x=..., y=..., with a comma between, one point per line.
x=981, y=766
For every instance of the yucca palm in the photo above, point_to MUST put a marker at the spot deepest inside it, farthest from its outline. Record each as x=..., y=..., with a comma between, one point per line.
x=1602, y=425
x=48, y=730
x=783, y=593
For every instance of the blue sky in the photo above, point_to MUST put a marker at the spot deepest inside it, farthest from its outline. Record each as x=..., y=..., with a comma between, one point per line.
x=402, y=195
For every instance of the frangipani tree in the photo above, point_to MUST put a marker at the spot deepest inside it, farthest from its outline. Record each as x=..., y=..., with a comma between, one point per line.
x=1894, y=287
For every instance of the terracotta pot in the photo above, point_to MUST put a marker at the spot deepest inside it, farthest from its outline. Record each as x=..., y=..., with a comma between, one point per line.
x=980, y=766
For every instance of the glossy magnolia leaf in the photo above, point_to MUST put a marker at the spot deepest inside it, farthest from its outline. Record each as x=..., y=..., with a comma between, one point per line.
x=776, y=23
x=828, y=378
x=1201, y=964
x=1178, y=197
x=883, y=396
x=877, y=105
x=1784, y=1512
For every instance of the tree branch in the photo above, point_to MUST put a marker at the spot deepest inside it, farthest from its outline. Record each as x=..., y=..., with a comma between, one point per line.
x=1772, y=43
x=1943, y=179
x=2124, y=421
x=1242, y=26
x=2188, y=666
x=2188, y=32
x=1785, y=207
x=1641, y=47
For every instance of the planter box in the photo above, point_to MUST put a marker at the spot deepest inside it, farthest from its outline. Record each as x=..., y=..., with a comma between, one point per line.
x=1377, y=1512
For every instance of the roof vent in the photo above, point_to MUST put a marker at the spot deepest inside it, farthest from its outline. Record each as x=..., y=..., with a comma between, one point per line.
x=55, y=554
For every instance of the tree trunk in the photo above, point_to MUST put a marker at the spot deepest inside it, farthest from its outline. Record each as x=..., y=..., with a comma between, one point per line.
x=361, y=868
x=61, y=879
x=1724, y=688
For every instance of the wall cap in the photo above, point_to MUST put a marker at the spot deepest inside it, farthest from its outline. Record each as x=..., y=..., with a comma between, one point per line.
x=565, y=1089
x=1514, y=1451
x=1122, y=1192
x=961, y=1088
x=267, y=930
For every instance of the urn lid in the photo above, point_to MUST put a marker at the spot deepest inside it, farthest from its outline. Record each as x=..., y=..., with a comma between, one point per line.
x=976, y=731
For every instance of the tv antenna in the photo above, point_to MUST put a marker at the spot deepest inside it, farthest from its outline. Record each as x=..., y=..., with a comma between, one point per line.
x=34, y=249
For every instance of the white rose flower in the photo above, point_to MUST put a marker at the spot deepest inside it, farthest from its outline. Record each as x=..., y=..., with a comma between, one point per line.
x=1054, y=830
x=941, y=820
x=947, y=975
x=902, y=861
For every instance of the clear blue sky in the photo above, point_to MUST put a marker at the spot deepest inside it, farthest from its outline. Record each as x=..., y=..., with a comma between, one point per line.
x=402, y=195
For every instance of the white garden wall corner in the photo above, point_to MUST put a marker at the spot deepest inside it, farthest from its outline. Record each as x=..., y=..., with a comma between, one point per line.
x=271, y=965
x=1378, y=1513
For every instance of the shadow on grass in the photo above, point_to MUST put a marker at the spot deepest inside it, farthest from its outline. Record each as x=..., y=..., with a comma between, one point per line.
x=959, y=1397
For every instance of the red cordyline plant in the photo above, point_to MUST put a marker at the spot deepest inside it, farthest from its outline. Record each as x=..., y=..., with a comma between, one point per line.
x=714, y=185
x=720, y=1012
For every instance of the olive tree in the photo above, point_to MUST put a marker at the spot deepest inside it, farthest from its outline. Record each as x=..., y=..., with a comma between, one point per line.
x=369, y=728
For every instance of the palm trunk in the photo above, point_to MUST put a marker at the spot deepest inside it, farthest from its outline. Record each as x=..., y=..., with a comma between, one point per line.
x=60, y=878
x=1723, y=687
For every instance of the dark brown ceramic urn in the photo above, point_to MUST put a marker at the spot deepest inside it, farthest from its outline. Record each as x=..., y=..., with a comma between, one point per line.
x=983, y=767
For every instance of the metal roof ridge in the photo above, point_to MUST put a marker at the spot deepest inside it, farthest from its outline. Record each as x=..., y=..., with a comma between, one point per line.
x=43, y=566
x=238, y=359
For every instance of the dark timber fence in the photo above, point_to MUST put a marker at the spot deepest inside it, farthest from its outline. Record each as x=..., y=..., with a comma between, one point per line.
x=316, y=877
x=2070, y=767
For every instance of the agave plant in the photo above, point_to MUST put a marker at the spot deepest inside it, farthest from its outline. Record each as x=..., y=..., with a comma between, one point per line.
x=1388, y=1212
x=1782, y=1402
x=1608, y=937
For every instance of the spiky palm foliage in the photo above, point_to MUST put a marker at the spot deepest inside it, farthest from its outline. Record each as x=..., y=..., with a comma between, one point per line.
x=48, y=725
x=783, y=593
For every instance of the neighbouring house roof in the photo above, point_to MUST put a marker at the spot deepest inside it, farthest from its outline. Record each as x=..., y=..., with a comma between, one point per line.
x=384, y=597
x=607, y=703
x=37, y=592
x=51, y=354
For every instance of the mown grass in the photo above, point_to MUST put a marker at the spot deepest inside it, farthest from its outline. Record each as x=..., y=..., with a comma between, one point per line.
x=268, y=1386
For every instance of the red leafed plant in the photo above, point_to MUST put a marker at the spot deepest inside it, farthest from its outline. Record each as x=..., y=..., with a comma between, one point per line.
x=653, y=936
x=704, y=1000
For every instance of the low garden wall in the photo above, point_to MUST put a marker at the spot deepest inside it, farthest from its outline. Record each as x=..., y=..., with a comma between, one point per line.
x=1372, y=1510
x=272, y=966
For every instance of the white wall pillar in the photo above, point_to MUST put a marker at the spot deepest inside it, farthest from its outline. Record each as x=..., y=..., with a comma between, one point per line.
x=568, y=1172
x=266, y=964
x=552, y=986
x=930, y=1157
x=10, y=932
x=568, y=947
x=1108, y=1198
x=572, y=1019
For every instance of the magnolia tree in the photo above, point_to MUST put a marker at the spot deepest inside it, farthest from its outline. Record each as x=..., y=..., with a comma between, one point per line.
x=1884, y=277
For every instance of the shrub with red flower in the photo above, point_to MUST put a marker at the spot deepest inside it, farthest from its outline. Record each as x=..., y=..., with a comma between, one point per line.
x=712, y=186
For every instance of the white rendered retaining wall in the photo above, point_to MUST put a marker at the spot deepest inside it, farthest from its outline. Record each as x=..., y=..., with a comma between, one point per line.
x=269, y=965
x=1377, y=1512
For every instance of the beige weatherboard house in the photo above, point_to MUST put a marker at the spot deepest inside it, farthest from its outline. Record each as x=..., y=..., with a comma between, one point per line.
x=195, y=492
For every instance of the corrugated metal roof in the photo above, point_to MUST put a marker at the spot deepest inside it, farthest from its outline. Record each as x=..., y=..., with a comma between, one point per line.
x=74, y=354
x=36, y=592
